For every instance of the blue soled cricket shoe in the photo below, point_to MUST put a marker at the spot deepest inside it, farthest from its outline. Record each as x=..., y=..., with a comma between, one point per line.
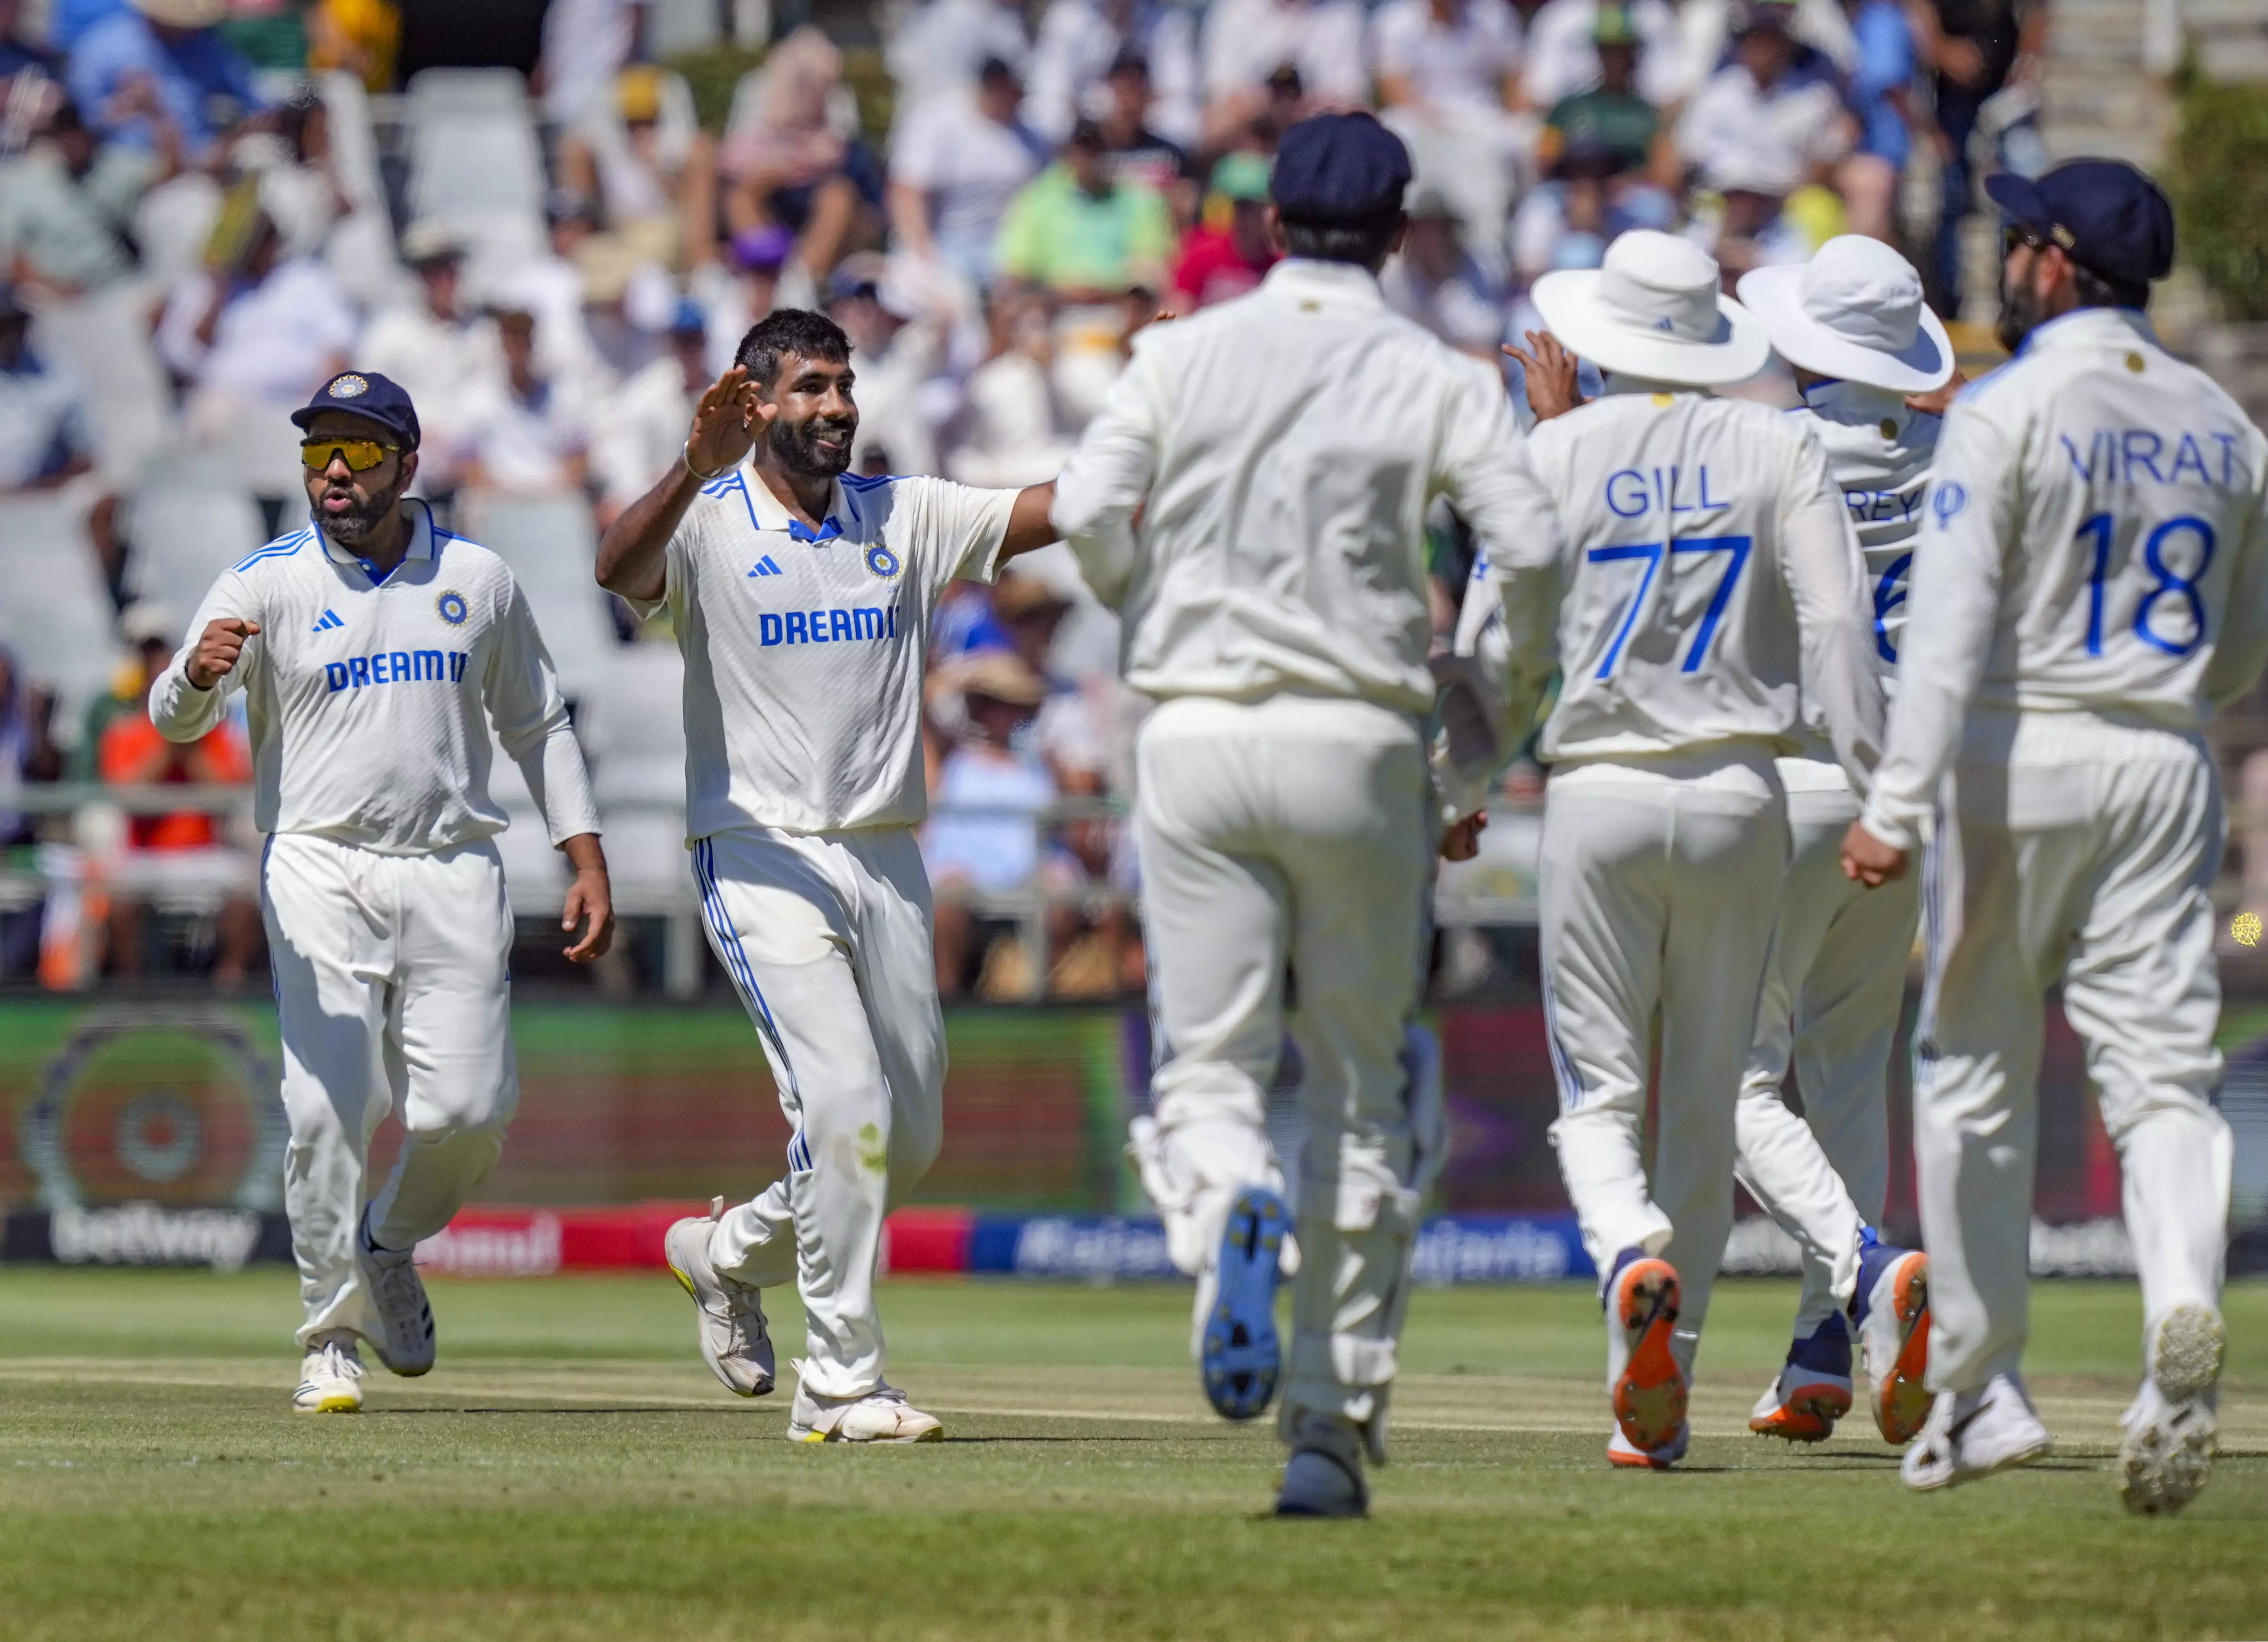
x=1241, y=1358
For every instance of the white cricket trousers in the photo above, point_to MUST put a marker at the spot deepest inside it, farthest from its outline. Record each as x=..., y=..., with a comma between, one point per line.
x=393, y=985
x=827, y=937
x=1293, y=833
x=2068, y=849
x=1660, y=884
x=1833, y=990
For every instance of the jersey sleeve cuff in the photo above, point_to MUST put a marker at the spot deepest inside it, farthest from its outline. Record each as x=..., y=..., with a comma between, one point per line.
x=1898, y=834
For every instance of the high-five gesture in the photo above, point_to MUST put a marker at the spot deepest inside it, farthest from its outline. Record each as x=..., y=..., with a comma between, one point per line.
x=219, y=647
x=724, y=425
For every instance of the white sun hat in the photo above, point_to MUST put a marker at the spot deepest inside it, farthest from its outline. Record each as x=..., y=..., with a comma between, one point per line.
x=1654, y=309
x=1853, y=313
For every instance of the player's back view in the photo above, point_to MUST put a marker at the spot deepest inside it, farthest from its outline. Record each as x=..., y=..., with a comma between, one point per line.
x=2092, y=581
x=1280, y=451
x=1706, y=582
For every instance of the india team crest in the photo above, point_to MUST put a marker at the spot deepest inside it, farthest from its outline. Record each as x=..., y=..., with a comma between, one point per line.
x=882, y=561
x=348, y=387
x=452, y=606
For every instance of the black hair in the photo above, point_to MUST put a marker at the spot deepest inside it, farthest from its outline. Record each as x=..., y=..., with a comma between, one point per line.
x=2101, y=291
x=789, y=330
x=1366, y=241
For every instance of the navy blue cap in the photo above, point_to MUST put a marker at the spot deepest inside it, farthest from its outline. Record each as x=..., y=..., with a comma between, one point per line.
x=1336, y=168
x=2106, y=214
x=365, y=393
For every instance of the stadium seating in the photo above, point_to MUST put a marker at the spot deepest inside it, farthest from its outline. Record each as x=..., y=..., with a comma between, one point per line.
x=474, y=164
x=184, y=538
x=634, y=734
x=551, y=543
x=56, y=615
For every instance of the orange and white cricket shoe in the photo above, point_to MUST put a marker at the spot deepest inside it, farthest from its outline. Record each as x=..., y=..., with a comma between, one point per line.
x=1891, y=1308
x=1621, y=1453
x=1812, y=1390
x=1643, y=1377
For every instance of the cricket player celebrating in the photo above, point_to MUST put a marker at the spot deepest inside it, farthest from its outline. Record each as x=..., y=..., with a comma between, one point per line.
x=2092, y=579
x=802, y=597
x=1853, y=324
x=1252, y=498
x=374, y=652
x=1706, y=585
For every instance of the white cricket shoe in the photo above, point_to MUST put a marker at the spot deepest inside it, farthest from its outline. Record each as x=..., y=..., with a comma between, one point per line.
x=398, y=1293
x=1970, y=1434
x=330, y=1379
x=2172, y=1428
x=735, y=1342
x=1323, y=1476
x=883, y=1414
x=1891, y=1307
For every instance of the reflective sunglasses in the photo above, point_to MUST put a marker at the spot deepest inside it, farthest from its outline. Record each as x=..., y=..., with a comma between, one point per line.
x=2016, y=234
x=361, y=455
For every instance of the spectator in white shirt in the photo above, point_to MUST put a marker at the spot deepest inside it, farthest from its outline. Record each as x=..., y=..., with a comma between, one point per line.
x=1445, y=60
x=899, y=333
x=46, y=439
x=1079, y=41
x=533, y=441
x=444, y=353
x=943, y=45
x=640, y=426
x=957, y=162
x=585, y=43
x=1435, y=281
x=1563, y=56
x=1013, y=428
x=252, y=332
x=1751, y=122
x=1246, y=41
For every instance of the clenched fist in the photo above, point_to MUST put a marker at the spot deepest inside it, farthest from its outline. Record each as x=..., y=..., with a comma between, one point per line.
x=219, y=647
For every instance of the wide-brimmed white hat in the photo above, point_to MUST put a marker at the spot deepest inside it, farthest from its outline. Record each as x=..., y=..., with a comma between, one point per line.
x=1854, y=312
x=1653, y=308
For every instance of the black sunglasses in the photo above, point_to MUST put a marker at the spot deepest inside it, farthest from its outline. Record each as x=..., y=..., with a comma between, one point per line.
x=2016, y=234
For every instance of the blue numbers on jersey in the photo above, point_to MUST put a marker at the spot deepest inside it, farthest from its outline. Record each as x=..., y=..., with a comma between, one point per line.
x=1889, y=593
x=1737, y=548
x=2171, y=581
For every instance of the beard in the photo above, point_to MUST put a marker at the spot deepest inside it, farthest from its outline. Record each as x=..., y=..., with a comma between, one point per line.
x=795, y=446
x=353, y=527
x=2021, y=312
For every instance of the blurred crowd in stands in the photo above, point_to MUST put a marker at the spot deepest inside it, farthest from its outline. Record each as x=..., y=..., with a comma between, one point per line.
x=207, y=207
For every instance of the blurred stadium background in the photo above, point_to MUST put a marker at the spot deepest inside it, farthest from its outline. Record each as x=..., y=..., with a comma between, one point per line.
x=552, y=222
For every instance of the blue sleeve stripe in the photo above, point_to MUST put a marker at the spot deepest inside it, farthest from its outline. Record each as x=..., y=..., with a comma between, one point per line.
x=282, y=548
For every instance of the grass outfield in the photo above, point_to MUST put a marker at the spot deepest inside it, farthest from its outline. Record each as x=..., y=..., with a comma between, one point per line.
x=570, y=1471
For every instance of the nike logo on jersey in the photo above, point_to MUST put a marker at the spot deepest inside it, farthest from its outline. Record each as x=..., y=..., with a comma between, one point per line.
x=766, y=567
x=827, y=627
x=396, y=666
x=330, y=620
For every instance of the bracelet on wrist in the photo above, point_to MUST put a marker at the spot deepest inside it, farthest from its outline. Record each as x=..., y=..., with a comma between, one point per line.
x=687, y=457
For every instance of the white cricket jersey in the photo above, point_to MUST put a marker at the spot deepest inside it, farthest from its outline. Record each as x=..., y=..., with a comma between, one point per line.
x=1707, y=587
x=1878, y=451
x=2096, y=542
x=804, y=650
x=1282, y=450
x=369, y=700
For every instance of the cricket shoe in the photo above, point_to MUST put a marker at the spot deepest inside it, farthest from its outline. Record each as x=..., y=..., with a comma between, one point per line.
x=883, y=1414
x=1323, y=1476
x=1813, y=1390
x=398, y=1293
x=1621, y=1452
x=1239, y=1355
x=2172, y=1429
x=1890, y=1306
x=729, y=1314
x=1643, y=1377
x=1970, y=1434
x=330, y=1379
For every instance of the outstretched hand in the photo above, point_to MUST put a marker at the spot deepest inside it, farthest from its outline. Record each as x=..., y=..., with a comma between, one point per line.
x=724, y=425
x=1551, y=389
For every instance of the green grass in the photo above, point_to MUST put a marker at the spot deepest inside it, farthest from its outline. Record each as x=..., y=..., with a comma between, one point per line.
x=572, y=1472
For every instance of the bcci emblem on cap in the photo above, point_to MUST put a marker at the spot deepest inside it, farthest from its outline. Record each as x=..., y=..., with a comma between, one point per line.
x=348, y=387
